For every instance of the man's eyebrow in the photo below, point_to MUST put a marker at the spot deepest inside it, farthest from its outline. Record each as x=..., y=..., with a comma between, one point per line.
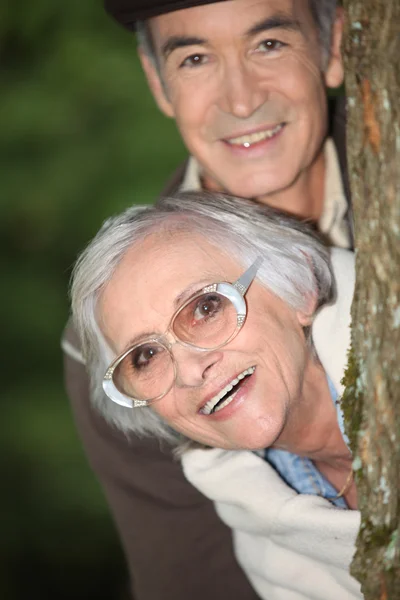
x=276, y=21
x=179, y=41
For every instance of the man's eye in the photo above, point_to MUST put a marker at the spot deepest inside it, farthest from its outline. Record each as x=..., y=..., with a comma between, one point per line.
x=270, y=45
x=194, y=60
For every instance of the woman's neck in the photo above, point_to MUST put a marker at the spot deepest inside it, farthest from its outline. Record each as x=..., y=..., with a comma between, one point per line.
x=312, y=428
x=313, y=431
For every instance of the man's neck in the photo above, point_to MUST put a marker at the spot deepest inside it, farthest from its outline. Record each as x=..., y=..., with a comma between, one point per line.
x=303, y=199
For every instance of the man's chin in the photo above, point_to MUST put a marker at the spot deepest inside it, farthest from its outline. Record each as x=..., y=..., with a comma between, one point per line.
x=263, y=193
x=246, y=184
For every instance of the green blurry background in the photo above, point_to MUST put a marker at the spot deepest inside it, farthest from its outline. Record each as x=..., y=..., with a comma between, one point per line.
x=80, y=138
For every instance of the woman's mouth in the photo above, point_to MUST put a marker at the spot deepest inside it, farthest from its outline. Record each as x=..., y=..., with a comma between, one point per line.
x=227, y=394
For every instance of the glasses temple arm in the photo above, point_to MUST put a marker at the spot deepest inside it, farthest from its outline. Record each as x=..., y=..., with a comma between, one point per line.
x=244, y=281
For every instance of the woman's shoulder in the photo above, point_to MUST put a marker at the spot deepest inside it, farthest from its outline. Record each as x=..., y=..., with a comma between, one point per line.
x=248, y=483
x=273, y=525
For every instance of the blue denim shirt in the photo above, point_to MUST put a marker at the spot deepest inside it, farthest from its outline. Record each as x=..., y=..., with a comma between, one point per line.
x=300, y=473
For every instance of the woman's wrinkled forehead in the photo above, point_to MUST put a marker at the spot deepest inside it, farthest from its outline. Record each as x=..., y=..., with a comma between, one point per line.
x=171, y=241
x=154, y=277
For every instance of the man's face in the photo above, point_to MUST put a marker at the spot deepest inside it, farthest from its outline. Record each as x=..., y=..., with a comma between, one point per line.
x=244, y=81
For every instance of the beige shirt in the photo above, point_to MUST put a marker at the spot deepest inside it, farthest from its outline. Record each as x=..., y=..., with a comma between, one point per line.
x=333, y=222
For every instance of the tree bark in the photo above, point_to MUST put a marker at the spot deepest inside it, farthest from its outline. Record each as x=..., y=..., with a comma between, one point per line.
x=372, y=397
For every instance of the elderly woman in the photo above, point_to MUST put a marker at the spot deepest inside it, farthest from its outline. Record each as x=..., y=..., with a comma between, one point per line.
x=209, y=322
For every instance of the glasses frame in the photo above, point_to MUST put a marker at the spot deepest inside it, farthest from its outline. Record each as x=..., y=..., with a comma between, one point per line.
x=234, y=292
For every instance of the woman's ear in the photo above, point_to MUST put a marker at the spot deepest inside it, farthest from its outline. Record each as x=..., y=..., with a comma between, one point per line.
x=156, y=84
x=306, y=315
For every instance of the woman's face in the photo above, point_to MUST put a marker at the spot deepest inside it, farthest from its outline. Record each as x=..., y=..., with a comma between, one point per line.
x=139, y=302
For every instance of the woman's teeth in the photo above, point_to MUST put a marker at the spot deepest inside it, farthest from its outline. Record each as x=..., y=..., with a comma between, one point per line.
x=211, y=405
x=253, y=138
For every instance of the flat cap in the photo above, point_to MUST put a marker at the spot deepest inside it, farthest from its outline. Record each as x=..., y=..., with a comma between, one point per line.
x=127, y=12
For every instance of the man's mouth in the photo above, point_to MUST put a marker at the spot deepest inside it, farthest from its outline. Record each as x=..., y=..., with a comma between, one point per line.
x=227, y=394
x=250, y=139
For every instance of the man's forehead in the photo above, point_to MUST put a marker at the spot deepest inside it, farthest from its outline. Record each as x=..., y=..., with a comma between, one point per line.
x=218, y=16
x=128, y=12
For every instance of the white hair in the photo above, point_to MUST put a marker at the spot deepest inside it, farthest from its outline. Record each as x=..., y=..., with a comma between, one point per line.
x=296, y=267
x=323, y=12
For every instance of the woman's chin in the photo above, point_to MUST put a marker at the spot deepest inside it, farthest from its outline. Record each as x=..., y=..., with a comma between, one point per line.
x=253, y=439
x=258, y=431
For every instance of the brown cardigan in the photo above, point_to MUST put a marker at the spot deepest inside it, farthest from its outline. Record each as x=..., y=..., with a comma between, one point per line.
x=176, y=546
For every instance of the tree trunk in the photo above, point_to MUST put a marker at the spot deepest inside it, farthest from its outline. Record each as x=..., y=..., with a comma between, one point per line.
x=372, y=397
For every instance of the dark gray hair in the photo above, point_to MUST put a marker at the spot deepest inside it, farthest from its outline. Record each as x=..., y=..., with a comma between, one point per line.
x=296, y=266
x=145, y=40
x=323, y=11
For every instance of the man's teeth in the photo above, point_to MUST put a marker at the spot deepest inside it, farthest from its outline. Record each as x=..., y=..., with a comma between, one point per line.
x=208, y=408
x=253, y=138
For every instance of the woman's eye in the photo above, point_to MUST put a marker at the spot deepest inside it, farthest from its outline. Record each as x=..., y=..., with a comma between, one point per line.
x=270, y=46
x=207, y=307
x=142, y=356
x=194, y=60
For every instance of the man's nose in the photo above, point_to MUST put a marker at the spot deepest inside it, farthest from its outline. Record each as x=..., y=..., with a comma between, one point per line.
x=193, y=367
x=241, y=93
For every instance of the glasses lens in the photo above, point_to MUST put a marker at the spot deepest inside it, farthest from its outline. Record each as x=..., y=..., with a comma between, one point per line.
x=207, y=321
x=146, y=372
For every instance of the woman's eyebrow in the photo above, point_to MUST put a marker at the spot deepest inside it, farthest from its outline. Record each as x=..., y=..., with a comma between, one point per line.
x=184, y=295
x=194, y=288
x=191, y=290
x=141, y=337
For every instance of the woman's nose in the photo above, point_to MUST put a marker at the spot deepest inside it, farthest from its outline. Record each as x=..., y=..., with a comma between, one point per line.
x=194, y=367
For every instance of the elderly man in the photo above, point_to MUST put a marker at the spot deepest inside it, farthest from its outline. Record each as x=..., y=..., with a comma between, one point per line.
x=246, y=82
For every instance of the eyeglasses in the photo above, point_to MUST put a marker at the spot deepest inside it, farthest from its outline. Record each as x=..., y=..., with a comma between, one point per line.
x=207, y=321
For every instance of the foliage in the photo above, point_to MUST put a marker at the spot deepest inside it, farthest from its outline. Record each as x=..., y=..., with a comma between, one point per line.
x=79, y=139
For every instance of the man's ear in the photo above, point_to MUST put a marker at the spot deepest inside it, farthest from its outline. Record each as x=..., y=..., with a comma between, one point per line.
x=334, y=73
x=155, y=84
